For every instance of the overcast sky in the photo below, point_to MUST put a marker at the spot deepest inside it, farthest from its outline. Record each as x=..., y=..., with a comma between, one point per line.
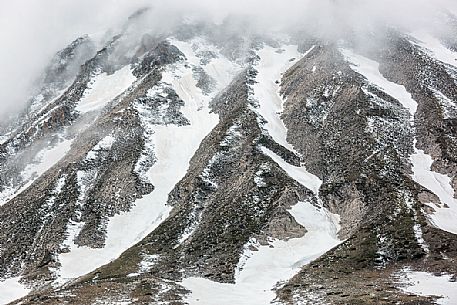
x=31, y=31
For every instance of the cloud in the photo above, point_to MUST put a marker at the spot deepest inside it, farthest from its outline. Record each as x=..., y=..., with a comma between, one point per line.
x=31, y=31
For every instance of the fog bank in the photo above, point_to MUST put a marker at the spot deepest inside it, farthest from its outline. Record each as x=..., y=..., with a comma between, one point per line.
x=31, y=31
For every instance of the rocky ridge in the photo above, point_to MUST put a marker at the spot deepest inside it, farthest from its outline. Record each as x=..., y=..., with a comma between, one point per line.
x=174, y=170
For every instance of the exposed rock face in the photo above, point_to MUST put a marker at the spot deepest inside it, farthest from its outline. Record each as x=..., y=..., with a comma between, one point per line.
x=162, y=165
x=98, y=179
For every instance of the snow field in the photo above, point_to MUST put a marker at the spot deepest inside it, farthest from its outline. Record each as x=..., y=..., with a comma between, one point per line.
x=259, y=272
x=11, y=289
x=173, y=147
x=103, y=88
x=43, y=161
x=427, y=284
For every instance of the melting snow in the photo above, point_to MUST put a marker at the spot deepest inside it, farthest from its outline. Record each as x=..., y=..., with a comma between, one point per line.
x=444, y=217
x=427, y=284
x=103, y=88
x=11, y=289
x=270, y=67
x=104, y=144
x=260, y=271
x=300, y=174
x=370, y=70
x=42, y=162
x=433, y=47
x=173, y=147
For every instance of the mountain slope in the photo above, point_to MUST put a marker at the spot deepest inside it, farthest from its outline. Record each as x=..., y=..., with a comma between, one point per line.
x=204, y=167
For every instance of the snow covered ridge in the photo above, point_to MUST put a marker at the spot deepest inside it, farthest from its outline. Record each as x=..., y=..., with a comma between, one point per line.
x=164, y=162
x=170, y=202
x=437, y=183
x=261, y=270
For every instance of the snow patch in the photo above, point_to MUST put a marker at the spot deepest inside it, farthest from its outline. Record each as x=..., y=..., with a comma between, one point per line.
x=103, y=145
x=419, y=236
x=258, y=177
x=218, y=68
x=434, y=48
x=103, y=88
x=417, y=227
x=260, y=271
x=173, y=146
x=206, y=173
x=427, y=284
x=299, y=174
x=11, y=289
x=146, y=263
x=370, y=70
x=55, y=192
x=4, y=138
x=110, y=301
x=445, y=215
x=270, y=67
x=46, y=159
x=42, y=162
